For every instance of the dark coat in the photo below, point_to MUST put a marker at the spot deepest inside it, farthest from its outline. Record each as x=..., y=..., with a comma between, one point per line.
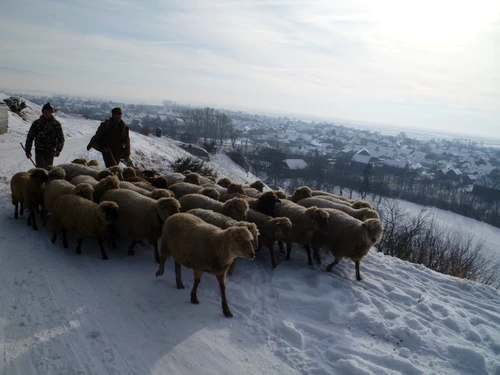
x=47, y=134
x=113, y=136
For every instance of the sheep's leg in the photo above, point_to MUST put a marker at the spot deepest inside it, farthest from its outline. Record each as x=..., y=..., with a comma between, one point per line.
x=221, y=278
x=288, y=250
x=271, y=252
x=309, y=257
x=54, y=236
x=280, y=244
x=197, y=279
x=331, y=265
x=317, y=255
x=16, y=208
x=178, y=276
x=79, y=245
x=64, y=238
x=131, y=251
x=21, y=208
x=232, y=267
x=33, y=217
x=103, y=253
x=43, y=216
x=358, y=274
x=157, y=254
x=163, y=259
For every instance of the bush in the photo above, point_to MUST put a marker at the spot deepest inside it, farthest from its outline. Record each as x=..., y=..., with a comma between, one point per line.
x=16, y=105
x=194, y=165
x=145, y=130
x=210, y=147
x=239, y=159
x=419, y=239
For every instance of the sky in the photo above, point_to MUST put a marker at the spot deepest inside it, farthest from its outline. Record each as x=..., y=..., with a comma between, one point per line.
x=63, y=313
x=429, y=64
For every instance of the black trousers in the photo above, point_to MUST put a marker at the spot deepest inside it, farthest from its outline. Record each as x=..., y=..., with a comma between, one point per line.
x=44, y=158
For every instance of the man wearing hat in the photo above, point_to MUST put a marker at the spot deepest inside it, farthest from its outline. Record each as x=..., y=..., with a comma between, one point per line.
x=48, y=136
x=112, y=139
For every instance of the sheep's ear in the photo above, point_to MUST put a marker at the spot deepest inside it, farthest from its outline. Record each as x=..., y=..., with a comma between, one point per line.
x=385, y=230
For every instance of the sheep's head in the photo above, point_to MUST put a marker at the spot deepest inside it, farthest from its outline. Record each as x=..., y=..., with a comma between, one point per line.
x=280, y=194
x=224, y=182
x=267, y=203
x=128, y=172
x=210, y=192
x=57, y=173
x=235, y=189
x=103, y=174
x=236, y=208
x=192, y=178
x=108, y=183
x=211, y=178
x=39, y=175
x=81, y=161
x=110, y=211
x=358, y=203
x=283, y=227
x=301, y=193
x=93, y=163
x=368, y=213
x=160, y=193
x=117, y=171
x=166, y=207
x=254, y=231
x=240, y=242
x=259, y=185
x=149, y=174
x=373, y=231
x=84, y=190
x=319, y=218
x=186, y=172
x=159, y=182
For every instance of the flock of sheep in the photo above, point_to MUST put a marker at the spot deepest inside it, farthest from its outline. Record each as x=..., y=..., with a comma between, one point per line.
x=203, y=224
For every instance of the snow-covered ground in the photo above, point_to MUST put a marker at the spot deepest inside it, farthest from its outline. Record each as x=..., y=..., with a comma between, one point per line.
x=66, y=314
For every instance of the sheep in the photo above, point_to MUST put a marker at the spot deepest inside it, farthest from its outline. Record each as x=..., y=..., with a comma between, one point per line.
x=280, y=194
x=84, y=179
x=270, y=230
x=361, y=214
x=172, y=178
x=159, y=182
x=132, y=186
x=183, y=188
x=27, y=189
x=192, y=178
x=129, y=172
x=305, y=221
x=301, y=193
x=222, y=221
x=84, y=217
x=93, y=163
x=233, y=191
x=265, y=204
x=203, y=247
x=224, y=182
x=258, y=185
x=56, y=173
x=108, y=183
x=72, y=170
x=146, y=185
x=116, y=170
x=57, y=188
x=235, y=208
x=141, y=217
x=251, y=192
x=81, y=161
x=347, y=237
x=217, y=187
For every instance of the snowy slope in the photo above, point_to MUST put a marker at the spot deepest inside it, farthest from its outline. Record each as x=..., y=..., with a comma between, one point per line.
x=66, y=314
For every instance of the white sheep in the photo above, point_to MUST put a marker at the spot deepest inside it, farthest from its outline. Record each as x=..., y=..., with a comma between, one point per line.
x=235, y=208
x=347, y=237
x=84, y=217
x=195, y=244
x=361, y=213
x=140, y=216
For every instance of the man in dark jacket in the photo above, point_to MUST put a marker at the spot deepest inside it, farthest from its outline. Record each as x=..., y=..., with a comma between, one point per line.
x=112, y=139
x=48, y=136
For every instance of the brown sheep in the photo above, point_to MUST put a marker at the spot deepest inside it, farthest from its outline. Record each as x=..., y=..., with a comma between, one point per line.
x=93, y=163
x=235, y=208
x=270, y=230
x=192, y=178
x=84, y=217
x=360, y=214
x=301, y=193
x=347, y=237
x=108, y=183
x=305, y=221
x=203, y=247
x=224, y=182
x=280, y=194
x=81, y=161
x=141, y=217
x=27, y=189
x=258, y=185
x=56, y=173
x=265, y=204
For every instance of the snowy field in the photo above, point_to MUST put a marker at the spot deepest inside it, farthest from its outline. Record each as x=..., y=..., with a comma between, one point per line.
x=68, y=314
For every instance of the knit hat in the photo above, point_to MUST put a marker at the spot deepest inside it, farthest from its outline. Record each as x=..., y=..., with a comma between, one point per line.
x=116, y=111
x=49, y=107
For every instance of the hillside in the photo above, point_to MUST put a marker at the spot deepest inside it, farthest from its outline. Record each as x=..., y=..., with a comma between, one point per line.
x=68, y=314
